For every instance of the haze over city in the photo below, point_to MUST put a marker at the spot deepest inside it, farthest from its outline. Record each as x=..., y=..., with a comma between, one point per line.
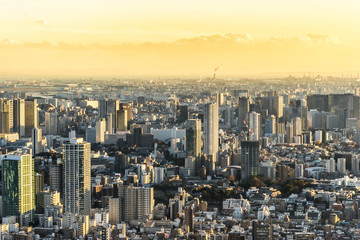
x=178, y=38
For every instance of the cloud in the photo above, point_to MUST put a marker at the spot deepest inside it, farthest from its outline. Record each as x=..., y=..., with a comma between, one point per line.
x=41, y=22
x=217, y=38
x=240, y=53
x=9, y=41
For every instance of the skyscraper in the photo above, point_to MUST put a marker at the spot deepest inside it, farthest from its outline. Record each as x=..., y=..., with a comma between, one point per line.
x=31, y=116
x=182, y=113
x=135, y=202
x=243, y=111
x=211, y=130
x=189, y=218
x=109, y=122
x=249, y=159
x=6, y=116
x=51, y=123
x=255, y=126
x=19, y=116
x=36, y=139
x=100, y=130
x=18, y=197
x=77, y=167
x=122, y=120
x=193, y=142
x=270, y=125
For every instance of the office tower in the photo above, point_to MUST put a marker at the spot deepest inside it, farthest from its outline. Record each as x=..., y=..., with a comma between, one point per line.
x=6, y=116
x=243, y=111
x=318, y=102
x=18, y=197
x=112, y=106
x=270, y=125
x=122, y=121
x=122, y=161
x=211, y=130
x=189, y=219
x=229, y=117
x=100, y=130
x=352, y=124
x=341, y=165
x=51, y=123
x=159, y=174
x=36, y=139
x=289, y=132
x=190, y=164
x=262, y=231
x=77, y=171
x=102, y=107
x=193, y=142
x=90, y=134
x=140, y=139
x=182, y=113
x=38, y=187
x=299, y=171
x=109, y=121
x=135, y=202
x=128, y=108
x=355, y=165
x=255, y=126
x=56, y=177
x=331, y=121
x=283, y=172
x=220, y=99
x=297, y=126
x=249, y=159
x=31, y=116
x=19, y=116
x=304, y=118
x=274, y=105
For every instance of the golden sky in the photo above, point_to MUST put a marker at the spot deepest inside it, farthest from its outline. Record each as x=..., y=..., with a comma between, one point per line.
x=177, y=37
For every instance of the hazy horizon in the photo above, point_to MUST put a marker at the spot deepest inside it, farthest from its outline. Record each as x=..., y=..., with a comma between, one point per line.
x=177, y=38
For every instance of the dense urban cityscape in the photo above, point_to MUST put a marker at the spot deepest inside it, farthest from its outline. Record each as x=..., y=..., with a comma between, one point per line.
x=229, y=159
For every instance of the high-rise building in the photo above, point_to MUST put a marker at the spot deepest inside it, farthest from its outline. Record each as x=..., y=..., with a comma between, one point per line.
x=31, y=116
x=109, y=122
x=77, y=171
x=255, y=126
x=114, y=211
x=189, y=218
x=18, y=198
x=128, y=108
x=243, y=111
x=274, y=105
x=193, y=142
x=135, y=202
x=100, y=130
x=211, y=130
x=122, y=161
x=19, y=116
x=56, y=177
x=122, y=121
x=6, y=116
x=249, y=159
x=182, y=113
x=36, y=139
x=270, y=125
x=51, y=123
